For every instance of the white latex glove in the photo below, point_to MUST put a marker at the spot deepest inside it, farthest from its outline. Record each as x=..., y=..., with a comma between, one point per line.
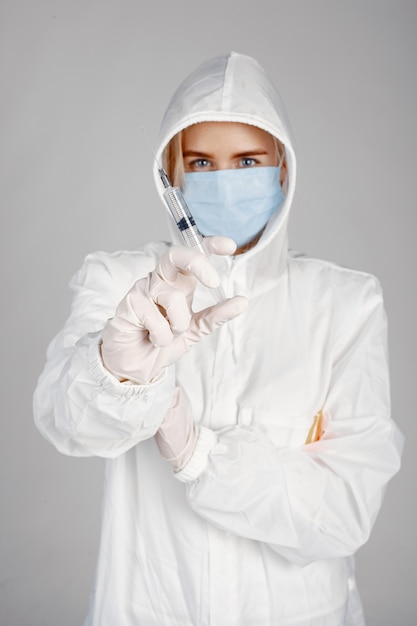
x=177, y=435
x=154, y=324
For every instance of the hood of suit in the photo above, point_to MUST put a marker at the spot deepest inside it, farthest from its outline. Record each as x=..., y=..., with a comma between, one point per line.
x=234, y=88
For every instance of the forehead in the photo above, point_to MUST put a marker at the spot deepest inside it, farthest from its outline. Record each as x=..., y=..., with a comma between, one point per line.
x=226, y=133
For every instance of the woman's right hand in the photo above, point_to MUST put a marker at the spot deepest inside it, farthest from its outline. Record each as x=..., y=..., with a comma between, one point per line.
x=155, y=325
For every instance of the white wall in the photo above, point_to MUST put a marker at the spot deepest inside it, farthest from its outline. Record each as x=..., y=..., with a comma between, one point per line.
x=78, y=79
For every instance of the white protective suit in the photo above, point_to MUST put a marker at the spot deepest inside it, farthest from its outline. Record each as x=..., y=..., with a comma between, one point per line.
x=258, y=529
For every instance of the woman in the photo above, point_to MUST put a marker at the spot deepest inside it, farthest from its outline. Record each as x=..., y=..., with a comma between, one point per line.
x=272, y=407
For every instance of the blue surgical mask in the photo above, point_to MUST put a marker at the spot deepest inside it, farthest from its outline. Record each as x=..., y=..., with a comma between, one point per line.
x=236, y=203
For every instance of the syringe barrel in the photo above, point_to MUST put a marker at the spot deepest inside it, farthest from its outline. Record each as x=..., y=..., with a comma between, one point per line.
x=188, y=228
x=183, y=218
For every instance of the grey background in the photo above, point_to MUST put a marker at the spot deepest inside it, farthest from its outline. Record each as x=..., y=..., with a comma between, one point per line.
x=78, y=79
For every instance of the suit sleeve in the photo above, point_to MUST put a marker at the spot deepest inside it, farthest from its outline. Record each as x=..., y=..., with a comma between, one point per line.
x=78, y=405
x=320, y=500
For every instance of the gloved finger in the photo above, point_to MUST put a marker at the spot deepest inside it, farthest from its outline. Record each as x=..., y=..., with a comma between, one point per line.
x=206, y=322
x=216, y=244
x=160, y=332
x=144, y=313
x=179, y=260
x=174, y=303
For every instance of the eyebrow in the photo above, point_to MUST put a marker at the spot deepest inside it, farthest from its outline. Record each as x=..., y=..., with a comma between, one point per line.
x=196, y=153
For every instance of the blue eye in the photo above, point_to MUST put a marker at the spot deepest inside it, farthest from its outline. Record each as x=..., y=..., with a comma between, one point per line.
x=247, y=162
x=200, y=163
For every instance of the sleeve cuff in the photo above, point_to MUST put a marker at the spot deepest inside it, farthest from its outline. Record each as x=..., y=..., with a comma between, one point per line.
x=206, y=441
x=107, y=381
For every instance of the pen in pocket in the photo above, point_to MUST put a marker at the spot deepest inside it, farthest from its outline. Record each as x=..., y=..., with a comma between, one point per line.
x=316, y=429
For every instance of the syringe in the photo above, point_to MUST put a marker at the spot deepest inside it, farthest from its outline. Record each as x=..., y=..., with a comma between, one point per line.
x=185, y=222
x=181, y=213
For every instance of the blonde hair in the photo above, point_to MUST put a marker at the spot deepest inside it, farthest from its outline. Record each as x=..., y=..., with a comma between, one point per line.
x=173, y=161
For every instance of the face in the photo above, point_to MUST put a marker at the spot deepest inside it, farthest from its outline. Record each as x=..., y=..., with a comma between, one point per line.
x=212, y=146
